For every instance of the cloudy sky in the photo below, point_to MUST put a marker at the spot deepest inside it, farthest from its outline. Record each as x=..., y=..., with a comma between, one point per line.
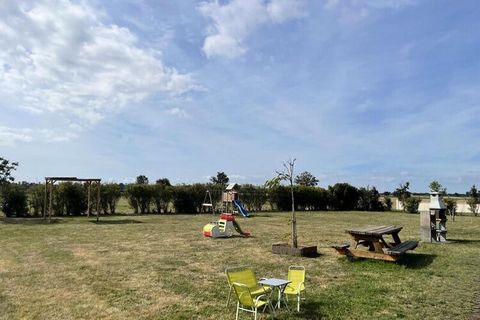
x=370, y=92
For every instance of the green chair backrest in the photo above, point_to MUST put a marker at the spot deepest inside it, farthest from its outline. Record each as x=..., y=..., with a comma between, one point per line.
x=296, y=274
x=243, y=275
x=243, y=294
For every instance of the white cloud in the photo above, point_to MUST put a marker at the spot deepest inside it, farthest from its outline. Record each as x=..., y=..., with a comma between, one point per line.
x=179, y=112
x=233, y=22
x=61, y=57
x=351, y=11
x=10, y=136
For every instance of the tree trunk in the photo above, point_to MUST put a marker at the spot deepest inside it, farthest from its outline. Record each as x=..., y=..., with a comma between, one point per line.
x=294, y=219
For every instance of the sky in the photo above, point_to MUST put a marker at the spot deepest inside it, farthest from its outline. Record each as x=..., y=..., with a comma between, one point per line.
x=369, y=92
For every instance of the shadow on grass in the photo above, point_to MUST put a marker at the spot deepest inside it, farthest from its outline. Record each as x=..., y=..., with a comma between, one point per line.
x=308, y=310
x=416, y=260
x=29, y=221
x=123, y=221
x=464, y=241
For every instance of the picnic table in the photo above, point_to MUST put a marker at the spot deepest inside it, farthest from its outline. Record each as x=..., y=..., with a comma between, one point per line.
x=369, y=242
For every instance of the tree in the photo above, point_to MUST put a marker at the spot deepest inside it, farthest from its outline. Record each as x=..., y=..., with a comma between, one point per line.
x=110, y=195
x=343, y=196
x=14, y=201
x=287, y=174
x=6, y=168
x=403, y=193
x=221, y=178
x=164, y=182
x=435, y=186
x=473, y=200
x=141, y=179
x=306, y=179
x=411, y=204
x=369, y=199
x=451, y=207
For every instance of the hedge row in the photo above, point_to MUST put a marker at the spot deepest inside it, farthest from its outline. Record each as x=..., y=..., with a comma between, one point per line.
x=71, y=198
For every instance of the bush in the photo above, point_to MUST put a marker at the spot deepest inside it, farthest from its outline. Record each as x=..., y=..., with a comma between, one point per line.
x=71, y=199
x=189, y=198
x=343, y=196
x=37, y=199
x=140, y=197
x=369, y=200
x=14, y=201
x=253, y=197
x=162, y=195
x=387, y=202
x=110, y=195
x=411, y=204
x=310, y=198
x=280, y=198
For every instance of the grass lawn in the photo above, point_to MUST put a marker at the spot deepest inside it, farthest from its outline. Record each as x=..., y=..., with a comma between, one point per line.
x=161, y=267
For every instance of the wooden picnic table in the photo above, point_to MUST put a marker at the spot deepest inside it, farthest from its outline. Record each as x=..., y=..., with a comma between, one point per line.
x=369, y=242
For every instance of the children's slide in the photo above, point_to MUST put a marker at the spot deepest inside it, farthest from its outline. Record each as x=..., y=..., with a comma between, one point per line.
x=239, y=230
x=241, y=208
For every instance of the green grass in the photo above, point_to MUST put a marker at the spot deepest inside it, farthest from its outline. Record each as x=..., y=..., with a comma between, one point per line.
x=160, y=267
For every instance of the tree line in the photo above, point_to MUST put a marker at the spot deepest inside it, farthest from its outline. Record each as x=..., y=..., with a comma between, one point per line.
x=143, y=197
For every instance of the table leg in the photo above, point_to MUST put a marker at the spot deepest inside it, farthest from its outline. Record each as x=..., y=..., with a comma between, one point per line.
x=378, y=246
x=396, y=238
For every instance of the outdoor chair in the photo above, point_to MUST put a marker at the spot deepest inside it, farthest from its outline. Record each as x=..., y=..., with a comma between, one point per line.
x=296, y=274
x=246, y=276
x=250, y=303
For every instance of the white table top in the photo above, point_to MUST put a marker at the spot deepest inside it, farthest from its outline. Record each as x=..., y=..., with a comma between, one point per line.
x=274, y=282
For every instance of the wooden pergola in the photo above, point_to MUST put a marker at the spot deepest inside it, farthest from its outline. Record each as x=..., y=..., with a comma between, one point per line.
x=50, y=181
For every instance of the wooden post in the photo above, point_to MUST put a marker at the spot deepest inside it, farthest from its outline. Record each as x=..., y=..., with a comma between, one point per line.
x=50, y=201
x=45, y=200
x=98, y=200
x=89, y=184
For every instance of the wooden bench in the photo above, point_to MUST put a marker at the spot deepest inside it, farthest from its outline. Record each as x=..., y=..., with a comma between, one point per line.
x=402, y=247
x=341, y=248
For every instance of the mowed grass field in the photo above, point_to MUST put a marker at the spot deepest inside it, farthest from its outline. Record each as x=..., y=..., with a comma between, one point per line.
x=161, y=267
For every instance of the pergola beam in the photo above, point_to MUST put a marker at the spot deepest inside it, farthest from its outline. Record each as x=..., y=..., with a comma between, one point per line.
x=50, y=181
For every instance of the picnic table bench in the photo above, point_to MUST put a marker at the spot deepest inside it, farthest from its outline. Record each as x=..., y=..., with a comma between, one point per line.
x=369, y=242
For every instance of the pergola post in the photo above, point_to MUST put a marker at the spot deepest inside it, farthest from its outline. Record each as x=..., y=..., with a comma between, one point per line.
x=89, y=184
x=50, y=202
x=98, y=200
x=45, y=200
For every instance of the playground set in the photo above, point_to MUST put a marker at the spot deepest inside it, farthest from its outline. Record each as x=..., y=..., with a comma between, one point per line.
x=226, y=226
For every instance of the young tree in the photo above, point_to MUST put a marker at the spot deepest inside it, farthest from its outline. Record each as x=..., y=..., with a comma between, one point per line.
x=473, y=200
x=435, y=186
x=221, y=178
x=306, y=179
x=287, y=174
x=403, y=193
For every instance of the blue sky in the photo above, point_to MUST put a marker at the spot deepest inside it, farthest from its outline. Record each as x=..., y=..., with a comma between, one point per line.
x=368, y=92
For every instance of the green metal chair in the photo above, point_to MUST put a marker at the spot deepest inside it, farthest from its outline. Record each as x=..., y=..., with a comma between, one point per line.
x=296, y=274
x=246, y=276
x=249, y=303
